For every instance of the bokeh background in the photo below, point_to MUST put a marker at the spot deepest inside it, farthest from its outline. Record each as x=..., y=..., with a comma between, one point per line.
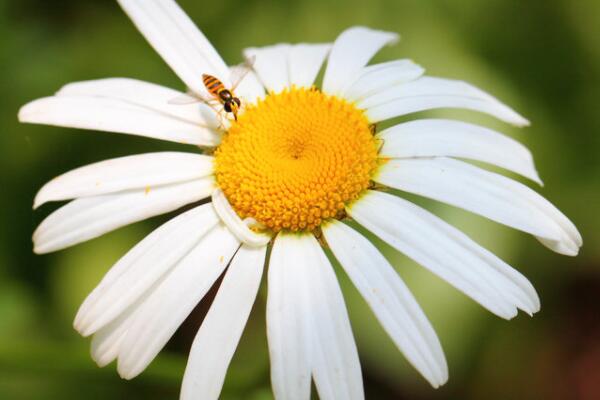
x=540, y=56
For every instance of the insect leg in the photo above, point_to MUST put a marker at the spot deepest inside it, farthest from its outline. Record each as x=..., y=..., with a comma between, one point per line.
x=222, y=118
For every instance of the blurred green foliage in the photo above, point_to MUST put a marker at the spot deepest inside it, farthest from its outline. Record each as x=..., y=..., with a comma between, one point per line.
x=540, y=56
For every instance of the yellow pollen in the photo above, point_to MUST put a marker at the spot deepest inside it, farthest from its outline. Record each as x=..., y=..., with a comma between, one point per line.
x=296, y=159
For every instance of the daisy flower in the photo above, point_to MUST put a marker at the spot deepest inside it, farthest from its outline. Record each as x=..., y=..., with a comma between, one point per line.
x=284, y=179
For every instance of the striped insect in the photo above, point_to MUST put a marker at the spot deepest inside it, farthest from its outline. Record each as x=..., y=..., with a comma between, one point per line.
x=215, y=87
x=217, y=92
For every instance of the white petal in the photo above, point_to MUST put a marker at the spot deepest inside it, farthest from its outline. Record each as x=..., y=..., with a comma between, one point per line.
x=142, y=267
x=335, y=363
x=144, y=94
x=427, y=93
x=90, y=217
x=271, y=65
x=106, y=342
x=443, y=137
x=287, y=325
x=486, y=193
x=391, y=301
x=565, y=247
x=378, y=77
x=283, y=65
x=172, y=301
x=447, y=252
x=178, y=41
x=351, y=51
x=222, y=327
x=305, y=61
x=230, y=218
x=113, y=115
x=131, y=172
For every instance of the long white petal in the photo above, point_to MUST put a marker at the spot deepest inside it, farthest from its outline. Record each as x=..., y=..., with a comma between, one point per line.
x=230, y=218
x=391, y=301
x=124, y=173
x=375, y=78
x=143, y=266
x=271, y=65
x=178, y=41
x=427, y=93
x=114, y=115
x=90, y=217
x=447, y=252
x=144, y=94
x=335, y=364
x=486, y=193
x=288, y=330
x=106, y=342
x=449, y=138
x=222, y=327
x=351, y=51
x=305, y=61
x=172, y=301
x=283, y=65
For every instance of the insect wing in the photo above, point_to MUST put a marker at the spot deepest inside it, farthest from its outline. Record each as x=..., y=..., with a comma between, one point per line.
x=239, y=72
x=189, y=98
x=183, y=99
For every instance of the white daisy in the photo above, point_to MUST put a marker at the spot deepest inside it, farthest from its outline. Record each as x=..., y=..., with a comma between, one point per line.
x=298, y=163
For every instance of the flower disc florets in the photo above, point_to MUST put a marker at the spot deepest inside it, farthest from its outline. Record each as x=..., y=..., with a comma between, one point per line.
x=296, y=158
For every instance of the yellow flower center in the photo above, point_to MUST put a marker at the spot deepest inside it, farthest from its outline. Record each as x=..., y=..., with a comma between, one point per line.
x=295, y=159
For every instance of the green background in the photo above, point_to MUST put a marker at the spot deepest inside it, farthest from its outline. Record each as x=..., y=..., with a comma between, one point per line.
x=540, y=56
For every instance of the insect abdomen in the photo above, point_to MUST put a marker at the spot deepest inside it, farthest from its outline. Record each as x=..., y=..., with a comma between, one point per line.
x=212, y=84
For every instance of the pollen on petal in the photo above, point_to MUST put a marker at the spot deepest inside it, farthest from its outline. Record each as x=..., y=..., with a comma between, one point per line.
x=295, y=159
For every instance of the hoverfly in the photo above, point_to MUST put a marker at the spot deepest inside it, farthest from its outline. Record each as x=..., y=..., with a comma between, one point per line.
x=218, y=94
x=215, y=87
